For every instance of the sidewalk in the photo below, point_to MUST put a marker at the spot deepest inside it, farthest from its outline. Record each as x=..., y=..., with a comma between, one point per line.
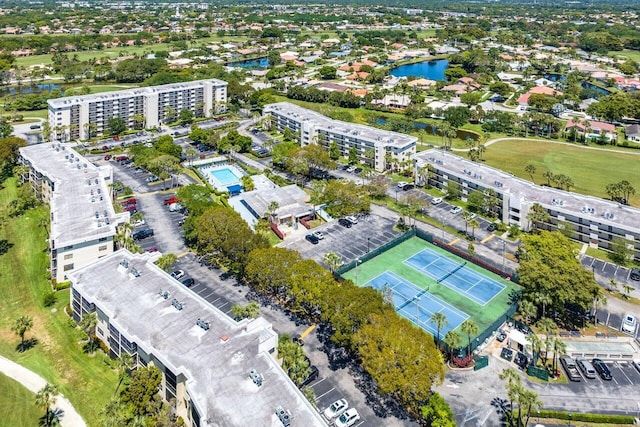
x=33, y=382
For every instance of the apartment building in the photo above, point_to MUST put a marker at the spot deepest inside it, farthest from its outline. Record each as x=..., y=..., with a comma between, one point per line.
x=591, y=220
x=220, y=372
x=376, y=147
x=83, y=221
x=75, y=117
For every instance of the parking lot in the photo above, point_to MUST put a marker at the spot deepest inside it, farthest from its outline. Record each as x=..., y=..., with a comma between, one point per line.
x=609, y=271
x=350, y=244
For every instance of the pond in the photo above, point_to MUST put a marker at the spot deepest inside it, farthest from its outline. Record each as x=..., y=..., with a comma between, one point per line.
x=25, y=89
x=432, y=70
x=597, y=90
x=432, y=129
x=251, y=63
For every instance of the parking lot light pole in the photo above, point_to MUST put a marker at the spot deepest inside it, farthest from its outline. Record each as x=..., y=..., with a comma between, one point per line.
x=368, y=242
x=357, y=266
x=442, y=222
x=396, y=194
x=504, y=247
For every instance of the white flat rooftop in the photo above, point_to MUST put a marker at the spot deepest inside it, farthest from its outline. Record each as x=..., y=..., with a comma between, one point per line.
x=594, y=209
x=388, y=138
x=217, y=370
x=81, y=210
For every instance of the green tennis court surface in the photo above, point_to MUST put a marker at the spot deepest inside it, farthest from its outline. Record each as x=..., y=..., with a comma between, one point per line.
x=425, y=279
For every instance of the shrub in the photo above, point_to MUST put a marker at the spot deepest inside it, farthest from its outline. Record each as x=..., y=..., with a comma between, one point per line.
x=594, y=418
x=50, y=299
x=62, y=285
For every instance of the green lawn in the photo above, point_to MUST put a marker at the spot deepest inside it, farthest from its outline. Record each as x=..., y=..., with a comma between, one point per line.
x=87, y=381
x=17, y=405
x=624, y=54
x=591, y=170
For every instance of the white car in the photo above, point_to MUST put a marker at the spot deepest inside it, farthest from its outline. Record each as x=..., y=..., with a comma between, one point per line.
x=472, y=215
x=436, y=200
x=402, y=184
x=348, y=418
x=336, y=409
x=319, y=234
x=139, y=222
x=178, y=274
x=455, y=210
x=352, y=218
x=629, y=324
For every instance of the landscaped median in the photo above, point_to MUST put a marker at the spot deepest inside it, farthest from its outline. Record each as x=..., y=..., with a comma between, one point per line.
x=57, y=354
x=561, y=417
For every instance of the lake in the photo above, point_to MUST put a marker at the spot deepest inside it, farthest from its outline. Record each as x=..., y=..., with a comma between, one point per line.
x=251, y=63
x=25, y=89
x=432, y=70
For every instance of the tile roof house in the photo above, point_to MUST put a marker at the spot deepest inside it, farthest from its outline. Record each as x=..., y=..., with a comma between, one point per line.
x=593, y=129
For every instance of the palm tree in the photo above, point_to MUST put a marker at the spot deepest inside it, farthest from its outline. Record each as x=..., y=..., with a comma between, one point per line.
x=46, y=397
x=544, y=299
x=535, y=343
x=598, y=298
x=452, y=340
x=125, y=363
x=530, y=402
x=333, y=261
x=528, y=310
x=473, y=224
x=548, y=327
x=20, y=326
x=513, y=386
x=470, y=328
x=440, y=320
x=559, y=348
x=88, y=324
x=530, y=168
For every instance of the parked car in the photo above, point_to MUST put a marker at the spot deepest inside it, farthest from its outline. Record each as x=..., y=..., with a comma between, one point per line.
x=570, y=368
x=107, y=157
x=178, y=274
x=319, y=234
x=171, y=200
x=142, y=234
x=602, y=369
x=636, y=363
x=139, y=223
x=129, y=202
x=586, y=368
x=635, y=274
x=402, y=184
x=175, y=207
x=629, y=324
x=130, y=208
x=312, y=239
x=188, y=282
x=152, y=178
x=151, y=250
x=313, y=375
x=345, y=222
x=492, y=227
x=455, y=210
x=352, y=218
x=348, y=418
x=436, y=200
x=336, y=409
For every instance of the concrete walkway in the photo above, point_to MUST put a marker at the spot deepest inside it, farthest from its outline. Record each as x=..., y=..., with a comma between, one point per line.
x=68, y=416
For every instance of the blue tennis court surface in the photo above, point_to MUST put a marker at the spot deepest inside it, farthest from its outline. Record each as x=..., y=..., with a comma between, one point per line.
x=462, y=279
x=418, y=305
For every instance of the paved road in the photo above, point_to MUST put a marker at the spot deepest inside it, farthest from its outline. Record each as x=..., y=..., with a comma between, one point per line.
x=33, y=382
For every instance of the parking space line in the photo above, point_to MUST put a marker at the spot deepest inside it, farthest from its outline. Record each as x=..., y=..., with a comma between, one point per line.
x=454, y=241
x=489, y=237
x=220, y=308
x=325, y=393
x=623, y=373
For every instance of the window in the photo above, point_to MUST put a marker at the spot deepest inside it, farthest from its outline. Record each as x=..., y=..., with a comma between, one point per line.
x=68, y=267
x=68, y=256
x=102, y=248
x=103, y=239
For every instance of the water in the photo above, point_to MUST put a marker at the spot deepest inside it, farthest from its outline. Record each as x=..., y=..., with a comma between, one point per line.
x=432, y=70
x=432, y=129
x=251, y=63
x=225, y=176
x=597, y=90
x=26, y=89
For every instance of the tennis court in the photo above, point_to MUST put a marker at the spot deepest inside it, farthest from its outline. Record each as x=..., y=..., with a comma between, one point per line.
x=459, y=277
x=417, y=304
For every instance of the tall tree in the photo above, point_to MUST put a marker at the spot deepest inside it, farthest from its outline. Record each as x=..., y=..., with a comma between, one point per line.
x=437, y=412
x=469, y=328
x=45, y=398
x=20, y=326
x=124, y=363
x=88, y=324
x=440, y=320
x=452, y=340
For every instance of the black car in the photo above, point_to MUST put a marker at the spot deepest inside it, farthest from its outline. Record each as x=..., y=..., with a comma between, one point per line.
x=142, y=234
x=188, y=282
x=492, y=227
x=311, y=238
x=313, y=375
x=602, y=369
x=345, y=222
x=635, y=274
x=521, y=360
x=506, y=354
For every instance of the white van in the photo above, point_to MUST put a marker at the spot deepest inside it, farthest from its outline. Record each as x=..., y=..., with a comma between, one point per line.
x=628, y=324
x=587, y=368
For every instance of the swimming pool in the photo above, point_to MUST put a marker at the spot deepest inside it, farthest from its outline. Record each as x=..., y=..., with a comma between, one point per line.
x=225, y=176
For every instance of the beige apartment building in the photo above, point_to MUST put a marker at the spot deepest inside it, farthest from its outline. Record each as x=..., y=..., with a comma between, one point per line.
x=83, y=222
x=74, y=117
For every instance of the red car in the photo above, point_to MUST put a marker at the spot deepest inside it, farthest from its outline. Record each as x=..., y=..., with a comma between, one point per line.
x=152, y=250
x=171, y=200
x=130, y=208
x=107, y=157
x=131, y=201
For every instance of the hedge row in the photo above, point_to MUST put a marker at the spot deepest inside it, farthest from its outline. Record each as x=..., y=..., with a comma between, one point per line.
x=594, y=418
